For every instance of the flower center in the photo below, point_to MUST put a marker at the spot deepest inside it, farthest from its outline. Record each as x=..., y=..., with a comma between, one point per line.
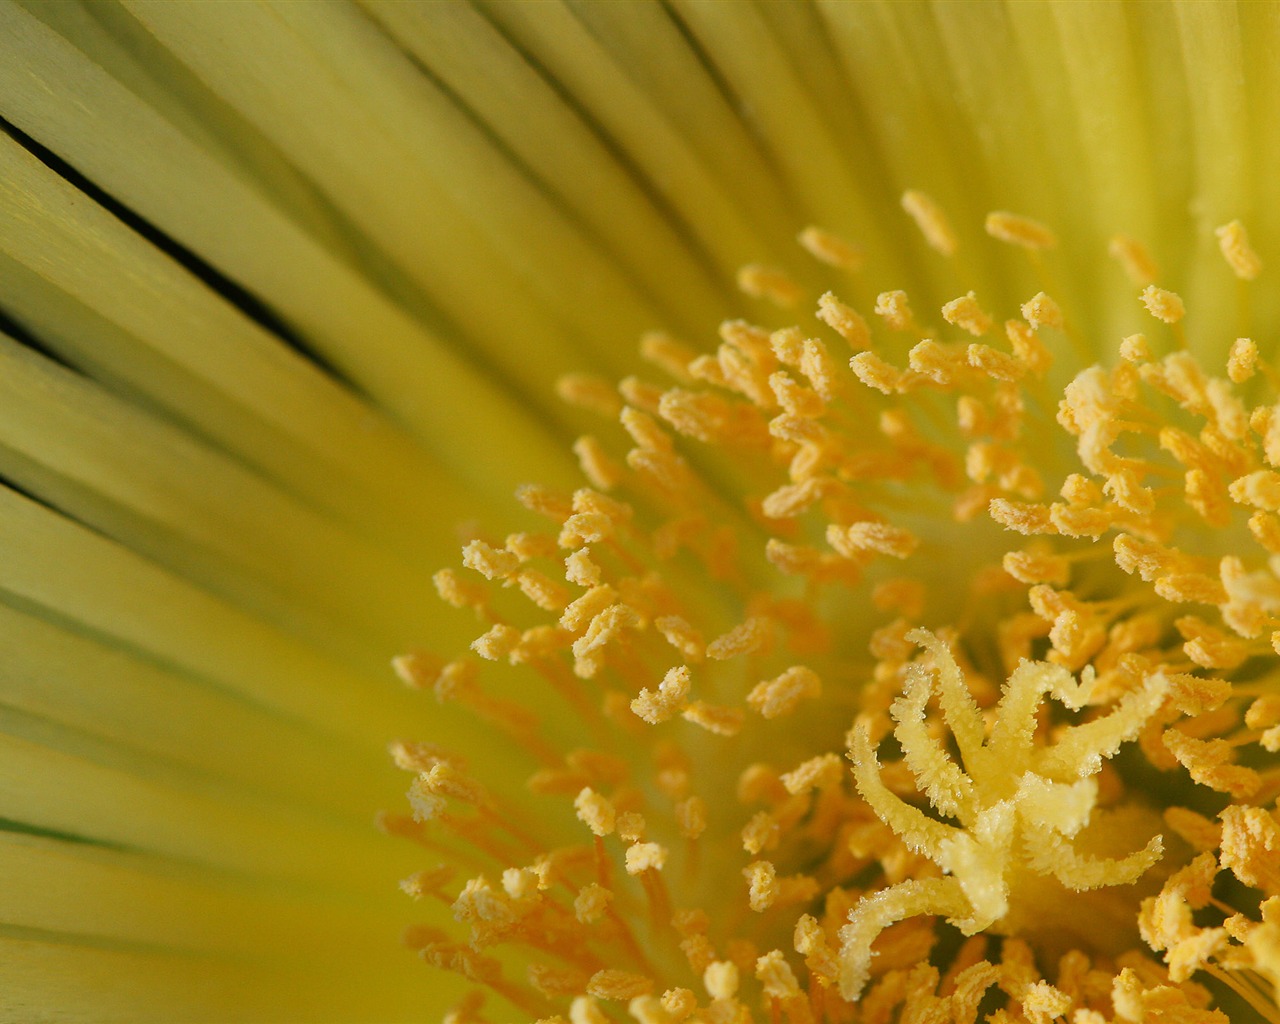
x=748, y=573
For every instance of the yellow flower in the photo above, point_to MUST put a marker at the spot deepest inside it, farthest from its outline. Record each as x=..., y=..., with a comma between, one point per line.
x=290, y=296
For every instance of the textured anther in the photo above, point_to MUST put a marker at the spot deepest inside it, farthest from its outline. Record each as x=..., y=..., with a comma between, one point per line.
x=591, y=903
x=746, y=638
x=1041, y=311
x=667, y=701
x=1136, y=349
x=720, y=720
x=492, y=563
x=845, y=321
x=618, y=985
x=881, y=538
x=1163, y=304
x=895, y=309
x=596, y=812
x=1242, y=360
x=783, y=694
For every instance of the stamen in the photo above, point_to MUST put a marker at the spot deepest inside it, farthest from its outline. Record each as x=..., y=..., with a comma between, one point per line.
x=1240, y=257
x=712, y=525
x=931, y=221
x=1020, y=231
x=966, y=313
x=590, y=393
x=761, y=282
x=1163, y=305
x=1134, y=258
x=895, y=308
x=831, y=249
x=845, y=321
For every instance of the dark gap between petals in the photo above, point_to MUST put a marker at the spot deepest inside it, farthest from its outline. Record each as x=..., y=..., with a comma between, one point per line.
x=247, y=303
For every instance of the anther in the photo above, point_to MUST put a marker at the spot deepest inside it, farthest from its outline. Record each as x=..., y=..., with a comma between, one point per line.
x=1042, y=311
x=596, y=812
x=721, y=979
x=618, y=985
x=782, y=695
x=1242, y=360
x=1163, y=305
x=492, y=563
x=845, y=321
x=595, y=464
x=667, y=701
x=746, y=638
x=1018, y=230
x=642, y=857
x=590, y=393
x=1233, y=240
x=716, y=719
x=965, y=313
x=895, y=309
x=831, y=249
x=931, y=221
x=1132, y=255
x=761, y=282
x=668, y=355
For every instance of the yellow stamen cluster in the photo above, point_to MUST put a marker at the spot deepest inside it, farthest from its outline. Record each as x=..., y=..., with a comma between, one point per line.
x=761, y=537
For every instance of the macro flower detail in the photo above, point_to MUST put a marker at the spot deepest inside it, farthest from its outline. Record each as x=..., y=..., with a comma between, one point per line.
x=1017, y=805
x=705, y=597
x=980, y=481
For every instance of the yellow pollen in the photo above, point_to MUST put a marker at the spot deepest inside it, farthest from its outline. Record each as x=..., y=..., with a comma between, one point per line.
x=776, y=977
x=1020, y=231
x=596, y=466
x=1042, y=311
x=776, y=697
x=746, y=638
x=725, y=774
x=879, y=537
x=643, y=857
x=590, y=393
x=895, y=308
x=595, y=812
x=618, y=985
x=1242, y=360
x=931, y=221
x=770, y=283
x=1240, y=257
x=966, y=313
x=831, y=249
x=1163, y=305
x=1134, y=258
x=669, y=700
x=721, y=980
x=845, y=321
x=720, y=720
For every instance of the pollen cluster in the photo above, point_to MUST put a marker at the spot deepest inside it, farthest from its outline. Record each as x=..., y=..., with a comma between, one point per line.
x=777, y=676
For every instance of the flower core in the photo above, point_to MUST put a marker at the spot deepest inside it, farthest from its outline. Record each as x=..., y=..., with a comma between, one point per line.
x=749, y=794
